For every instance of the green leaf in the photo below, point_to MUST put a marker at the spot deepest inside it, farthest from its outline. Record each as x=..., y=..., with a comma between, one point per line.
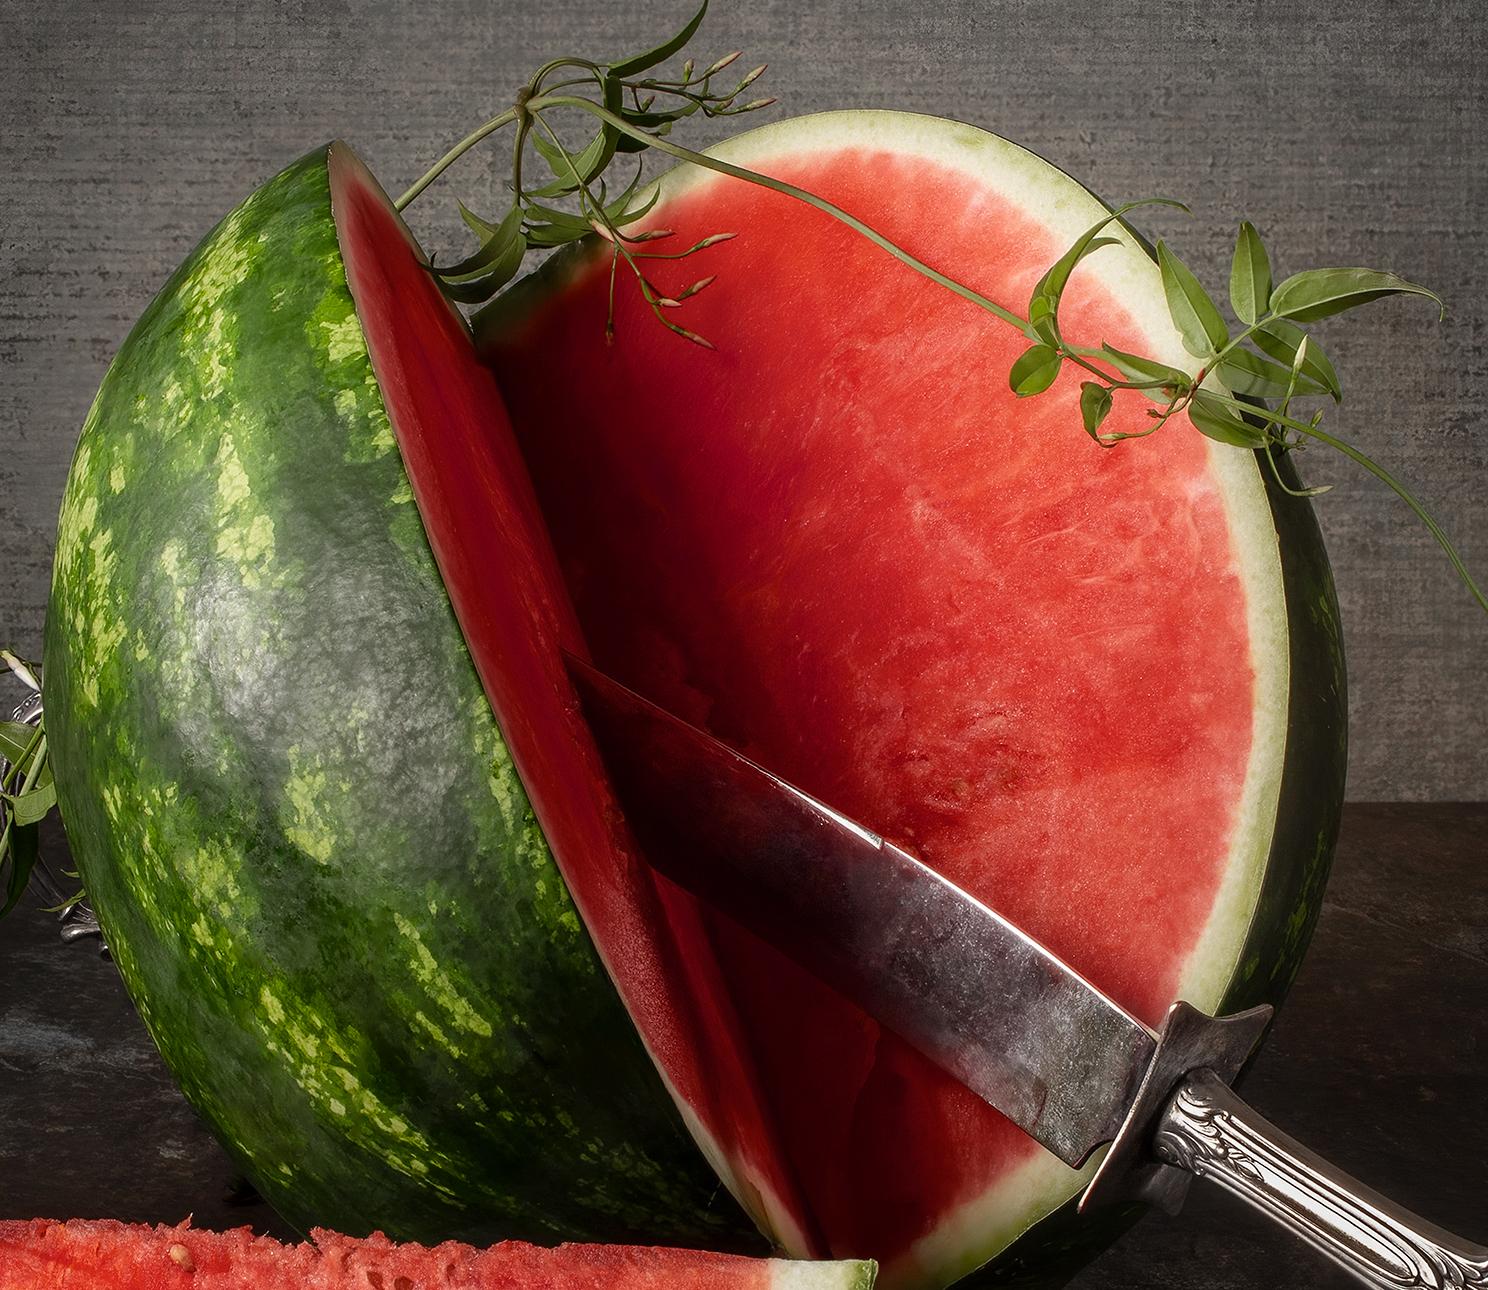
x=1136, y=368
x=23, y=853
x=644, y=61
x=1280, y=339
x=15, y=739
x=31, y=807
x=1057, y=278
x=1198, y=321
x=620, y=217
x=504, y=241
x=563, y=219
x=1250, y=275
x=1034, y=371
x=1053, y=283
x=1041, y=318
x=1248, y=373
x=1095, y=403
x=482, y=228
x=1050, y=287
x=1320, y=293
x=1213, y=418
x=572, y=170
x=549, y=235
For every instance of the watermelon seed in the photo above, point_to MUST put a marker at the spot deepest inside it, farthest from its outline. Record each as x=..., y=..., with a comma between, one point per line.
x=182, y=1255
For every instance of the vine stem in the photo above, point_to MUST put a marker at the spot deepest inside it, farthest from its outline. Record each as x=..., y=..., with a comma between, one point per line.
x=534, y=103
x=1380, y=473
x=454, y=154
x=786, y=189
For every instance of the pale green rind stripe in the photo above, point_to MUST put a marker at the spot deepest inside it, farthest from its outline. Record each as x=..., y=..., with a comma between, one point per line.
x=804, y=1274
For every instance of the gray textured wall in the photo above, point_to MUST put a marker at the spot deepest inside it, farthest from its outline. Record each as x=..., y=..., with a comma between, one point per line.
x=1351, y=135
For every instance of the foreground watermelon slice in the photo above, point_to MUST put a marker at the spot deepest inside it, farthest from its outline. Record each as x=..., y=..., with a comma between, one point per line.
x=41, y=1254
x=329, y=877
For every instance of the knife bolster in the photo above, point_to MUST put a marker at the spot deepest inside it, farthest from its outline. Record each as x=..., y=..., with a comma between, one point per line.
x=1189, y=1040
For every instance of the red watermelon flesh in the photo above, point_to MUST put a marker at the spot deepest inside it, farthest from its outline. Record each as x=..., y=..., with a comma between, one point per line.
x=41, y=1254
x=1055, y=672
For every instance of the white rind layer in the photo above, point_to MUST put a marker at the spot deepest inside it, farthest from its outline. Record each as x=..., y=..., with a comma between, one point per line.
x=982, y=1227
x=804, y=1274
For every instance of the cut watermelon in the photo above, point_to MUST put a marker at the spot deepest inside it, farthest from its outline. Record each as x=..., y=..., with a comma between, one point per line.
x=1089, y=685
x=41, y=1254
x=1063, y=675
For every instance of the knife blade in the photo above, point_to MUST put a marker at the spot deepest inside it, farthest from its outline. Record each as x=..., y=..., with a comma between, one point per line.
x=985, y=1001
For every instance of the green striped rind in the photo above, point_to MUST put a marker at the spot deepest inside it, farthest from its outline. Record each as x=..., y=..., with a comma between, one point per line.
x=313, y=861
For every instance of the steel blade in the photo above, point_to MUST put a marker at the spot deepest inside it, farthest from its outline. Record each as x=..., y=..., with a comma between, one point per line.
x=977, y=996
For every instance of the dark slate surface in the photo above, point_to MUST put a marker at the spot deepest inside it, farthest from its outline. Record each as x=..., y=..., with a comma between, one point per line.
x=1348, y=133
x=1380, y=1060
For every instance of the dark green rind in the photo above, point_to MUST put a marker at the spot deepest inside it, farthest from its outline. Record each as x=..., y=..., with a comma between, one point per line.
x=312, y=858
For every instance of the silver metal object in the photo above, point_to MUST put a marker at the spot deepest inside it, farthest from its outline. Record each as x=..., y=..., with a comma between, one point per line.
x=986, y=1002
x=78, y=922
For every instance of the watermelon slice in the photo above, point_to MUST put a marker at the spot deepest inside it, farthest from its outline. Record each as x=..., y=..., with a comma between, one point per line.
x=41, y=1254
x=1075, y=680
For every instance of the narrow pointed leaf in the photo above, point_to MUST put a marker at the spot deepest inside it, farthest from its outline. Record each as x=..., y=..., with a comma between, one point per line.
x=1281, y=339
x=563, y=219
x=1214, y=419
x=497, y=247
x=1248, y=373
x=23, y=853
x=1095, y=403
x=478, y=290
x=571, y=171
x=1194, y=314
x=1042, y=318
x=482, y=228
x=1250, y=275
x=630, y=216
x=1053, y=283
x=1136, y=368
x=1034, y=371
x=15, y=738
x=548, y=235
x=650, y=58
x=1320, y=293
x=31, y=807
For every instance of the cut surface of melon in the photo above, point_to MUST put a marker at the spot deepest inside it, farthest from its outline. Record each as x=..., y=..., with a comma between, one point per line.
x=1056, y=672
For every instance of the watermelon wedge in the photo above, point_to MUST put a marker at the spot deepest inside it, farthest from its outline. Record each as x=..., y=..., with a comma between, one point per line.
x=347, y=836
x=40, y=1254
x=1088, y=685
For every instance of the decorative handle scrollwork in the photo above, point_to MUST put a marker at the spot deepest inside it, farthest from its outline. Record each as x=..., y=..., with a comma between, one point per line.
x=1212, y=1134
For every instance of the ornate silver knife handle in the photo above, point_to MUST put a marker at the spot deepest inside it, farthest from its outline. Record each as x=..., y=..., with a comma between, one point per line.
x=1209, y=1132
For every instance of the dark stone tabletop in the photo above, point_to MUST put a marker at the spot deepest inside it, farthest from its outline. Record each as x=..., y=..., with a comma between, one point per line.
x=1379, y=1060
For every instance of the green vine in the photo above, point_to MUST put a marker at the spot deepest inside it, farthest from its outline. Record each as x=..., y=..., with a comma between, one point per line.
x=1247, y=380
x=1268, y=356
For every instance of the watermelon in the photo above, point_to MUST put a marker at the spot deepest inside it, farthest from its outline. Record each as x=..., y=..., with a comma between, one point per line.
x=1091, y=686
x=331, y=795
x=38, y=1254
x=300, y=825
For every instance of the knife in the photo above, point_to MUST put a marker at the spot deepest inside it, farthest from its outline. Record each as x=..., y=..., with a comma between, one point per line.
x=986, y=1002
